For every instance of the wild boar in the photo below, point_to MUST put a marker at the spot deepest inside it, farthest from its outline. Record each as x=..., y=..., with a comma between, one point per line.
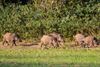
x=58, y=37
x=47, y=40
x=90, y=41
x=79, y=39
x=10, y=38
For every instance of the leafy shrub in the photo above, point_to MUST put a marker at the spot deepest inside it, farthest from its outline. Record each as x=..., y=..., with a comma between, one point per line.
x=39, y=17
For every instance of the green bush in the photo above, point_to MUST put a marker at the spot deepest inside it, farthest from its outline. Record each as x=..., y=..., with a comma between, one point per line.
x=35, y=18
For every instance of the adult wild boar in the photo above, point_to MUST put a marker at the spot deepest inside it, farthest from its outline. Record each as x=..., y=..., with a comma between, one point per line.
x=47, y=40
x=10, y=38
x=79, y=39
x=90, y=41
x=58, y=37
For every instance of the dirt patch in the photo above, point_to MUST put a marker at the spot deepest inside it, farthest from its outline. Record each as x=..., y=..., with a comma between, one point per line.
x=30, y=45
x=20, y=45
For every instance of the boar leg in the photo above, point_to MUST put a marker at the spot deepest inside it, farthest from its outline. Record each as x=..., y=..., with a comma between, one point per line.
x=13, y=43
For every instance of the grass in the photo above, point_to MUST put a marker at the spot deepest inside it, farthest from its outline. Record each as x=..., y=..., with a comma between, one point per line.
x=30, y=57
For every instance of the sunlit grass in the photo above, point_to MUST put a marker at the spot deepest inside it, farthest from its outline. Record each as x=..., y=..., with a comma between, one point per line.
x=17, y=57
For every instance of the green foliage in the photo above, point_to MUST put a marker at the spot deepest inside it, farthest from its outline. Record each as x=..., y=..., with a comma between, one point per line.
x=35, y=18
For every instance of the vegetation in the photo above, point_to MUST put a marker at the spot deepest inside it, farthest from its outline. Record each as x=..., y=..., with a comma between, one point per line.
x=26, y=57
x=33, y=18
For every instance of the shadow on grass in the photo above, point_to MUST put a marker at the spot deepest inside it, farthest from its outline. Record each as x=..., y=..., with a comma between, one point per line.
x=12, y=64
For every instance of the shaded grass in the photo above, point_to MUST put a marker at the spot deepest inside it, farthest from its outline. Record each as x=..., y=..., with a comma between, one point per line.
x=48, y=65
x=79, y=57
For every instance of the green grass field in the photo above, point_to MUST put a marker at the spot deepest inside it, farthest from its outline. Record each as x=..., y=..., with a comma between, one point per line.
x=30, y=57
